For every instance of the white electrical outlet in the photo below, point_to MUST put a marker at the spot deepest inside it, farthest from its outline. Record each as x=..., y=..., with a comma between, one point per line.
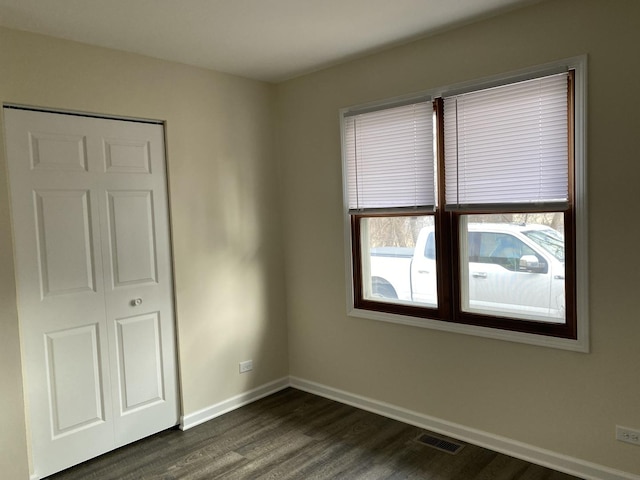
x=246, y=366
x=628, y=435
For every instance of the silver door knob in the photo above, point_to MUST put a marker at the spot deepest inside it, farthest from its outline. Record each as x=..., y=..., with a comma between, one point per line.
x=137, y=301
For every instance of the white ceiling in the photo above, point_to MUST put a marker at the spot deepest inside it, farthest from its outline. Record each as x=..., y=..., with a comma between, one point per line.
x=269, y=40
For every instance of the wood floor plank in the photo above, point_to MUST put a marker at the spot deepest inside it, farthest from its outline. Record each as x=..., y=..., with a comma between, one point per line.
x=293, y=435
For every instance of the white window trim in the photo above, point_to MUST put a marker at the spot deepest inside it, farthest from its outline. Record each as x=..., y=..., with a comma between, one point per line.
x=582, y=342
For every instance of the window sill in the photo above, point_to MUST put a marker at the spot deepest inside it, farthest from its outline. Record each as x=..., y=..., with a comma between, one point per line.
x=580, y=345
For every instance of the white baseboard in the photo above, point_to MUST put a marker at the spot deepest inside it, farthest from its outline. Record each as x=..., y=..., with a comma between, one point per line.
x=529, y=453
x=208, y=413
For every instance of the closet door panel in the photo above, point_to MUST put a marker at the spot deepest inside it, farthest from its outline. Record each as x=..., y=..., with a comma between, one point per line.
x=94, y=282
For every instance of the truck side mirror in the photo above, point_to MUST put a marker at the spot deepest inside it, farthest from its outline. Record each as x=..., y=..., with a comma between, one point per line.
x=532, y=264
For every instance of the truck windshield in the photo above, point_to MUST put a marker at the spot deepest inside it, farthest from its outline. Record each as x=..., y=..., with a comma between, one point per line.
x=551, y=240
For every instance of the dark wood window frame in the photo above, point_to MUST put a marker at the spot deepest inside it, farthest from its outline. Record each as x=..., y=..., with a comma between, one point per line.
x=447, y=230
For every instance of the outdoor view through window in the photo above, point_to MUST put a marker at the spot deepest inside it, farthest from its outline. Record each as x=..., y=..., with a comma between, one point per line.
x=513, y=264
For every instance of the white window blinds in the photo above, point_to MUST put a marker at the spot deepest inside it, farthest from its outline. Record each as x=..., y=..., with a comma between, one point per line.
x=389, y=158
x=507, y=146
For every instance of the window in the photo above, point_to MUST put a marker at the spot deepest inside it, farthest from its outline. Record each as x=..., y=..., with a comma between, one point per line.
x=464, y=208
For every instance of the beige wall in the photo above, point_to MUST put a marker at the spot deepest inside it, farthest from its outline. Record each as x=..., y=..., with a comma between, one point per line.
x=226, y=224
x=558, y=400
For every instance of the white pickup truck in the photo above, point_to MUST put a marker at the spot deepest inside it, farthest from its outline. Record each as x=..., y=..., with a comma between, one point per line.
x=513, y=270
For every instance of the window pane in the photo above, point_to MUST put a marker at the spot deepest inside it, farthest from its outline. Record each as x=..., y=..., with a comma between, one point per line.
x=512, y=265
x=399, y=260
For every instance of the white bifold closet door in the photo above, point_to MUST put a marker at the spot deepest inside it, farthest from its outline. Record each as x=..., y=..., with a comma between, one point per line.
x=94, y=283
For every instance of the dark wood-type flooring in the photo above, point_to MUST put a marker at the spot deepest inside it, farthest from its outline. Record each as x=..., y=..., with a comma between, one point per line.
x=296, y=435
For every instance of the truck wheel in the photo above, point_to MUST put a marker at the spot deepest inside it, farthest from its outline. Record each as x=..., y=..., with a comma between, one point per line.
x=380, y=288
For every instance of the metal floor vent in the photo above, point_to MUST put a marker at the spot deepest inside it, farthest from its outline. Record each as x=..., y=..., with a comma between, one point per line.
x=439, y=443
